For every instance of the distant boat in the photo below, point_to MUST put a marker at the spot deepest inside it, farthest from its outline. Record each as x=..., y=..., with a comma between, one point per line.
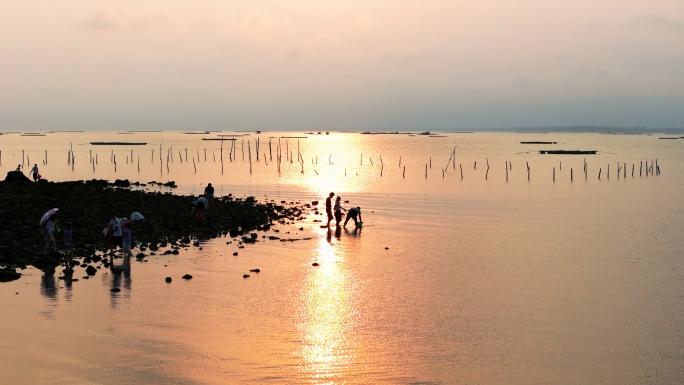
x=568, y=152
x=117, y=143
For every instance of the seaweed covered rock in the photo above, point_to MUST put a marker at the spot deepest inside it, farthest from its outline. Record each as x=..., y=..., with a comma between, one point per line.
x=17, y=177
x=86, y=205
x=8, y=274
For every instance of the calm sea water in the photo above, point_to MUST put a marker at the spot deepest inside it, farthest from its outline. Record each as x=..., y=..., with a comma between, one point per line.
x=485, y=280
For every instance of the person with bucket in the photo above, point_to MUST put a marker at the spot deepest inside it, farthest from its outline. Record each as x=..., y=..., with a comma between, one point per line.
x=352, y=213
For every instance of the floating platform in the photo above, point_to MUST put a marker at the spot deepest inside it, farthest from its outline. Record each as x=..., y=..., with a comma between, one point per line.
x=117, y=143
x=568, y=152
x=533, y=142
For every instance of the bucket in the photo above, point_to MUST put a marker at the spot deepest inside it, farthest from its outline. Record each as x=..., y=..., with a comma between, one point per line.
x=359, y=225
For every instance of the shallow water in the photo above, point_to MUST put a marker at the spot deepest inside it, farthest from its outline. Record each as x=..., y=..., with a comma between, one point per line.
x=485, y=280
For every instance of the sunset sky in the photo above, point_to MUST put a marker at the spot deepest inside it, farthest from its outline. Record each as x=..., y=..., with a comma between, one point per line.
x=340, y=65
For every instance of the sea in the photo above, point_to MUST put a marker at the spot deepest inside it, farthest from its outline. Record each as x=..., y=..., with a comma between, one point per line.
x=479, y=261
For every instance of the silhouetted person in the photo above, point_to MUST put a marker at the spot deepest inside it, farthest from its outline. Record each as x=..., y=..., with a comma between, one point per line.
x=352, y=213
x=209, y=193
x=34, y=172
x=328, y=207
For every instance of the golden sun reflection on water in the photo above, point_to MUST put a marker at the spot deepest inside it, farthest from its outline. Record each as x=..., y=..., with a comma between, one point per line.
x=327, y=316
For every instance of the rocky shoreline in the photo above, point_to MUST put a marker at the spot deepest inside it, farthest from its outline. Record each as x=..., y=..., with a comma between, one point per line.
x=87, y=204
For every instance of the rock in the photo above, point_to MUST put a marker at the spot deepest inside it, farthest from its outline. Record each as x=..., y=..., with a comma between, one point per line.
x=241, y=247
x=68, y=271
x=235, y=253
x=96, y=259
x=200, y=248
x=84, y=265
x=122, y=183
x=187, y=276
x=314, y=203
x=386, y=248
x=196, y=244
x=315, y=264
x=90, y=270
x=8, y=274
x=140, y=255
x=255, y=271
x=168, y=279
x=116, y=290
x=85, y=277
x=245, y=276
x=175, y=252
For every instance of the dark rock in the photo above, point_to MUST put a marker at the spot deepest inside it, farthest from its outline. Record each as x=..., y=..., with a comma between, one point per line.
x=200, y=248
x=116, y=290
x=314, y=203
x=187, y=276
x=273, y=238
x=175, y=252
x=122, y=183
x=386, y=248
x=301, y=229
x=168, y=279
x=314, y=264
x=253, y=235
x=196, y=244
x=140, y=255
x=235, y=253
x=245, y=276
x=84, y=265
x=8, y=274
x=255, y=271
x=96, y=258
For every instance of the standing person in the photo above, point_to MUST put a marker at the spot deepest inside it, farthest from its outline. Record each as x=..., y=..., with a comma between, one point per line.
x=352, y=213
x=126, y=241
x=34, y=172
x=209, y=193
x=328, y=208
x=68, y=242
x=117, y=234
x=338, y=211
x=49, y=236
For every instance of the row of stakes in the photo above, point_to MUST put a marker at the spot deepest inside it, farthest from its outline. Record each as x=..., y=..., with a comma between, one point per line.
x=653, y=169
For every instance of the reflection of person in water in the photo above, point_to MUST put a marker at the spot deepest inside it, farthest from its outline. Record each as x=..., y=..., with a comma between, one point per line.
x=120, y=273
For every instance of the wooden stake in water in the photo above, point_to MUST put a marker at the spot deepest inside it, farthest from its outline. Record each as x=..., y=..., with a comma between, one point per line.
x=461, y=167
x=426, y=167
x=608, y=172
x=250, y=158
x=554, y=174
x=571, y=174
x=221, y=155
x=193, y=164
x=599, y=176
x=403, y=174
x=632, y=170
x=430, y=162
x=475, y=165
x=506, y=171
x=138, y=163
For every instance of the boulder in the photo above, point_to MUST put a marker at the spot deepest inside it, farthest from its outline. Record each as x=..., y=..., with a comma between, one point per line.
x=90, y=270
x=187, y=276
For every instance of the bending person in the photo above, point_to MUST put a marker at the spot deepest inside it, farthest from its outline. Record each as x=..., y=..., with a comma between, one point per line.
x=352, y=213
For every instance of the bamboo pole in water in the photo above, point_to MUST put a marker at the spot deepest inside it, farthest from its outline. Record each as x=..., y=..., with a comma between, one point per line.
x=249, y=149
x=461, y=167
x=571, y=174
x=506, y=171
x=554, y=174
x=403, y=174
x=221, y=155
x=599, y=176
x=426, y=167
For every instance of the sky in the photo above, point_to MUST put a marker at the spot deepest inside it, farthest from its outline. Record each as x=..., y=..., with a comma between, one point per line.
x=340, y=65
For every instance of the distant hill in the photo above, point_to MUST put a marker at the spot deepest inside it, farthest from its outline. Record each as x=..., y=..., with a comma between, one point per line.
x=580, y=129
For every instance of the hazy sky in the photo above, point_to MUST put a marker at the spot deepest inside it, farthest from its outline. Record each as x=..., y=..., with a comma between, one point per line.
x=349, y=65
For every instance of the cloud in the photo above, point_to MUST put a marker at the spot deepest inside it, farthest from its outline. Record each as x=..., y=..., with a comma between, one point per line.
x=100, y=21
x=662, y=22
